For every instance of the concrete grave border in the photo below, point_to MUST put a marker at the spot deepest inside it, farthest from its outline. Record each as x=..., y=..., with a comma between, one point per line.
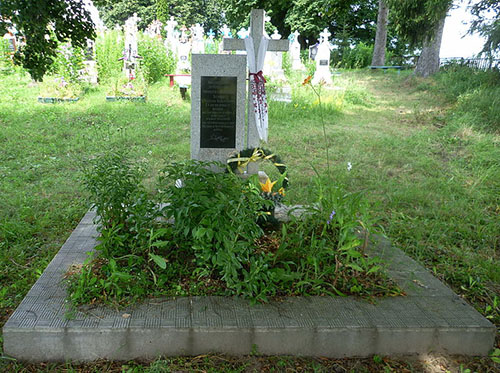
x=431, y=318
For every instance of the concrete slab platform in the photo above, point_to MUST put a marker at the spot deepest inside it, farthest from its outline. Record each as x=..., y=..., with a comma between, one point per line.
x=431, y=318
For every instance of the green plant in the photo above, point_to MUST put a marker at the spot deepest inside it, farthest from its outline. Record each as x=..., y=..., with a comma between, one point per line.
x=68, y=63
x=59, y=88
x=357, y=57
x=225, y=245
x=156, y=61
x=108, y=50
x=121, y=86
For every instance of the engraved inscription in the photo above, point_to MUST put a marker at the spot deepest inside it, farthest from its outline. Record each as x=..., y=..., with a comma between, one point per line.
x=218, y=112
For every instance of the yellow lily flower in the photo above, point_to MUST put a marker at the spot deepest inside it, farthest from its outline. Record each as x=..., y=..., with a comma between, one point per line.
x=268, y=186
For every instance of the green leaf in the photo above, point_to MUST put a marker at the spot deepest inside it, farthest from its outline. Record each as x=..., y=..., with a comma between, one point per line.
x=161, y=262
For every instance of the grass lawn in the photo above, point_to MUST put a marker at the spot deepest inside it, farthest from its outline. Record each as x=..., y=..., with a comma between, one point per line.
x=433, y=182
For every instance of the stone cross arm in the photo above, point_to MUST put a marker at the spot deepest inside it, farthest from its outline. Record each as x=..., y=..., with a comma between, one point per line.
x=256, y=31
x=239, y=45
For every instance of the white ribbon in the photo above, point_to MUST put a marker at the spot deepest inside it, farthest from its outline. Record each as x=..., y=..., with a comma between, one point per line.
x=257, y=84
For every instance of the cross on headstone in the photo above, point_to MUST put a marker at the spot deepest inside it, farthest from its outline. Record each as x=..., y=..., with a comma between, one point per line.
x=323, y=37
x=256, y=32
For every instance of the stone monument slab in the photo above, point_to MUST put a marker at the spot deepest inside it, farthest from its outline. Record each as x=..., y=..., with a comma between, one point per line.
x=217, y=106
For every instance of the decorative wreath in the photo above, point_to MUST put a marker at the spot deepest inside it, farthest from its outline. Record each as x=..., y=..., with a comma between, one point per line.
x=240, y=160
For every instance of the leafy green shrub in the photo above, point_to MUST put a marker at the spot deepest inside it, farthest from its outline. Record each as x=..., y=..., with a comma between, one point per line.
x=5, y=56
x=125, y=210
x=108, y=50
x=202, y=228
x=156, y=61
x=68, y=63
x=358, y=57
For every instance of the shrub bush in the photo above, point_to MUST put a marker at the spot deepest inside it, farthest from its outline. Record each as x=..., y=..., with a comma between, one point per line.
x=156, y=61
x=202, y=228
x=68, y=63
x=358, y=57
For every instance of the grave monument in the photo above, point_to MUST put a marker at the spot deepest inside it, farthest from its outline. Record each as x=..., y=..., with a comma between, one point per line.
x=295, y=51
x=217, y=105
x=256, y=44
x=130, y=52
x=322, y=59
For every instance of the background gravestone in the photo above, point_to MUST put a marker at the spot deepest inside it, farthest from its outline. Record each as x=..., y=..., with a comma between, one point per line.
x=218, y=94
x=322, y=73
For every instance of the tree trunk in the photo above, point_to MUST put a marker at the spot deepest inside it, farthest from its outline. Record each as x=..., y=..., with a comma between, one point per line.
x=428, y=62
x=378, y=58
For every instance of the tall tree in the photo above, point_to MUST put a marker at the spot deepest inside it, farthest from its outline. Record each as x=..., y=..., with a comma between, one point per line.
x=208, y=13
x=487, y=23
x=378, y=58
x=428, y=62
x=114, y=12
x=45, y=23
x=421, y=22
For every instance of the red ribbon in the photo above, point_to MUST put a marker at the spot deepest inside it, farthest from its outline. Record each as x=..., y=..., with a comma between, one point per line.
x=258, y=77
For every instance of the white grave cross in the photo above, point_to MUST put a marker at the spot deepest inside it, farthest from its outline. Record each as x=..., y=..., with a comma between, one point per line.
x=256, y=33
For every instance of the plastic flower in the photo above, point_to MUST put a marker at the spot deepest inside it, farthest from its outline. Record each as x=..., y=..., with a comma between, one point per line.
x=307, y=80
x=267, y=187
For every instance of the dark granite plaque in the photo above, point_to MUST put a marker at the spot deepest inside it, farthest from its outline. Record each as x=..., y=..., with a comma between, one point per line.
x=323, y=62
x=218, y=112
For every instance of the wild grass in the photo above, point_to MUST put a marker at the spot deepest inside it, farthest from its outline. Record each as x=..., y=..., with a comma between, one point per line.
x=430, y=174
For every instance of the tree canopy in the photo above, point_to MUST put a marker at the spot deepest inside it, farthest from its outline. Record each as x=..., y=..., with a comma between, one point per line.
x=487, y=23
x=45, y=23
x=113, y=12
x=416, y=20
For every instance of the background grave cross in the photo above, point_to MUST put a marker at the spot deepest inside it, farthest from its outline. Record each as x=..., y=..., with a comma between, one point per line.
x=256, y=32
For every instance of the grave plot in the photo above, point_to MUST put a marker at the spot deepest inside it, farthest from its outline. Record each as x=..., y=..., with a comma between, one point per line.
x=430, y=318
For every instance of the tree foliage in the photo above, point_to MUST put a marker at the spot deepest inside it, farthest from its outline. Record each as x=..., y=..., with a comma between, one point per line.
x=417, y=20
x=208, y=13
x=352, y=19
x=487, y=23
x=113, y=12
x=44, y=24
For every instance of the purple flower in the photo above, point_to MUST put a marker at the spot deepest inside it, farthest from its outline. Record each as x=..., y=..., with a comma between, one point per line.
x=331, y=217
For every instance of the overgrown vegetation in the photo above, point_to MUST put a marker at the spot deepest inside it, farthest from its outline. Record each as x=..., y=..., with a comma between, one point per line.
x=140, y=254
x=429, y=175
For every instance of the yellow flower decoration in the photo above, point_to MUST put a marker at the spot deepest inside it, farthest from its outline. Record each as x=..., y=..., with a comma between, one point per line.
x=267, y=187
x=282, y=191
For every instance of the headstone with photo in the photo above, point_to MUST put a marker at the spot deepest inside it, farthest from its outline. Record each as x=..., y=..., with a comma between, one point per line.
x=322, y=73
x=183, y=50
x=218, y=96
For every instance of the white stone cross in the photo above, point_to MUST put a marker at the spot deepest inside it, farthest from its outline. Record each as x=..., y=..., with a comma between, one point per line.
x=323, y=37
x=256, y=32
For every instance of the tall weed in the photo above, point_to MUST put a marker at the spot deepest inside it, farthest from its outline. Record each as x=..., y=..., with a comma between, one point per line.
x=109, y=49
x=156, y=61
